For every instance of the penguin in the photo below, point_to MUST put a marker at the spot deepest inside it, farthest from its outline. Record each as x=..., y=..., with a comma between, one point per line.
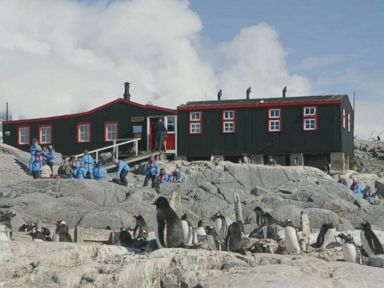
x=169, y=231
x=305, y=232
x=369, y=240
x=326, y=235
x=27, y=227
x=350, y=250
x=187, y=230
x=5, y=234
x=233, y=241
x=125, y=238
x=6, y=219
x=214, y=240
x=291, y=242
x=220, y=225
x=37, y=235
x=140, y=232
x=61, y=232
x=256, y=214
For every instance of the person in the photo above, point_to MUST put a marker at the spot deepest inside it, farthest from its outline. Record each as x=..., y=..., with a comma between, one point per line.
x=162, y=177
x=99, y=172
x=51, y=157
x=79, y=172
x=36, y=165
x=88, y=163
x=65, y=170
x=151, y=170
x=378, y=138
x=160, y=132
x=355, y=187
x=45, y=171
x=176, y=176
x=33, y=149
x=122, y=171
x=342, y=181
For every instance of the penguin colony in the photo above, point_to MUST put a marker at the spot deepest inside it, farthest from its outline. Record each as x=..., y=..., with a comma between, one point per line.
x=174, y=232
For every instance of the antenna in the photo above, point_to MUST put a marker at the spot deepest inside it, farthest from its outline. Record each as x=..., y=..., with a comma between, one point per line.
x=6, y=112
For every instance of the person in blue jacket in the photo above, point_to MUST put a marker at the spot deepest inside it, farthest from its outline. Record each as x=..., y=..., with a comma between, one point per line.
x=151, y=170
x=51, y=157
x=36, y=165
x=122, y=171
x=99, y=172
x=88, y=163
x=79, y=172
x=34, y=148
x=162, y=177
x=176, y=177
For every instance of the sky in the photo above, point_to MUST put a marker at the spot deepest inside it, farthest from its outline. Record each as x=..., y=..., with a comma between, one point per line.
x=66, y=56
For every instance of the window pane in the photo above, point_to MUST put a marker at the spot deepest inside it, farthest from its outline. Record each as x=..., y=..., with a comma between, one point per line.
x=24, y=135
x=84, y=133
x=45, y=135
x=111, y=131
x=194, y=128
x=229, y=127
x=229, y=114
x=171, y=123
x=274, y=113
x=195, y=116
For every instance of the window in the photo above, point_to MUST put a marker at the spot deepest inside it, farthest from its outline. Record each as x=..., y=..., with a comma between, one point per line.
x=45, y=134
x=111, y=131
x=310, y=118
x=195, y=123
x=83, y=132
x=274, y=120
x=344, y=118
x=228, y=122
x=23, y=133
x=349, y=122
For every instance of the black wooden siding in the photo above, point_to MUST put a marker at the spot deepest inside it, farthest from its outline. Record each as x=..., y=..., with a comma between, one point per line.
x=64, y=131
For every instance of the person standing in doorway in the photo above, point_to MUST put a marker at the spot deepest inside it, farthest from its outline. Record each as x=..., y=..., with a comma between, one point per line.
x=160, y=132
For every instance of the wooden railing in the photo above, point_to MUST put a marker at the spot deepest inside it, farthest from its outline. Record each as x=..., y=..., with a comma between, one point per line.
x=114, y=147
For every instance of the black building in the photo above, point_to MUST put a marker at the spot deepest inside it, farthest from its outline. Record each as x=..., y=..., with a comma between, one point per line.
x=72, y=134
x=313, y=130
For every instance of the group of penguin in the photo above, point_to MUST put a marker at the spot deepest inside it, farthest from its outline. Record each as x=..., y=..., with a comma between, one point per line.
x=39, y=234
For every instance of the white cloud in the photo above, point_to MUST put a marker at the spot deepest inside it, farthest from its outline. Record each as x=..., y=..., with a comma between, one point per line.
x=62, y=56
x=318, y=62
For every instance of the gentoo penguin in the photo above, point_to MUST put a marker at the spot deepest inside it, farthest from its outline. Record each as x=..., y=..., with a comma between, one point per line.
x=291, y=242
x=141, y=230
x=350, y=250
x=6, y=219
x=37, y=235
x=169, y=229
x=214, y=240
x=233, y=241
x=220, y=225
x=257, y=215
x=326, y=236
x=187, y=230
x=61, y=232
x=125, y=238
x=27, y=227
x=369, y=240
x=305, y=232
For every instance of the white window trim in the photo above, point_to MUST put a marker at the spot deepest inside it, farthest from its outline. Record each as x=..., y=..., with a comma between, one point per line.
x=309, y=128
x=228, y=118
x=88, y=133
x=107, y=125
x=196, y=125
x=349, y=122
x=19, y=142
x=194, y=119
x=274, y=129
x=307, y=110
x=41, y=135
x=227, y=129
x=274, y=116
x=344, y=120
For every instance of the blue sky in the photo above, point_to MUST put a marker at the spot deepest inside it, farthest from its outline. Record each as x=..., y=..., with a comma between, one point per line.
x=173, y=51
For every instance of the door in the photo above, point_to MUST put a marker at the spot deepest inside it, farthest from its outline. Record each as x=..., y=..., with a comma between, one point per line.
x=170, y=142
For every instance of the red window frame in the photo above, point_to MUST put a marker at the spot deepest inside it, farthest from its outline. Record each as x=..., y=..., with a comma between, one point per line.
x=310, y=116
x=40, y=134
x=225, y=120
x=195, y=121
x=274, y=118
x=18, y=135
x=78, y=132
x=105, y=130
x=349, y=122
x=344, y=125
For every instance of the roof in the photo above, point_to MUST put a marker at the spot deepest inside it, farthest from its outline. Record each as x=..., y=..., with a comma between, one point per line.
x=90, y=112
x=266, y=102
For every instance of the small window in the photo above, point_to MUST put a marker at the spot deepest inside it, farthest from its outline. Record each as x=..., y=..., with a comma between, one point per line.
x=110, y=131
x=45, y=134
x=195, y=116
x=274, y=126
x=171, y=123
x=84, y=133
x=23, y=136
x=310, y=124
x=229, y=122
x=274, y=113
x=349, y=122
x=195, y=123
x=309, y=111
x=194, y=128
x=344, y=118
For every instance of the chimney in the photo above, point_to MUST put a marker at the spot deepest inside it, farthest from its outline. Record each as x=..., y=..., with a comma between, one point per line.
x=126, y=95
x=6, y=112
x=284, y=91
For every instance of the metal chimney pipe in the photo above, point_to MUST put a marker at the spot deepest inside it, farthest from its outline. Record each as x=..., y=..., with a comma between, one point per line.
x=126, y=95
x=6, y=112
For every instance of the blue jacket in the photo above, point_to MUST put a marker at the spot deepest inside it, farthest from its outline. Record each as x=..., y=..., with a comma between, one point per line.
x=37, y=164
x=162, y=179
x=51, y=156
x=99, y=173
x=88, y=160
x=122, y=166
x=152, y=170
x=34, y=148
x=80, y=173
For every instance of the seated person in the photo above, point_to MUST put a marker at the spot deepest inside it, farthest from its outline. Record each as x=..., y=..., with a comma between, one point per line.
x=162, y=177
x=79, y=172
x=176, y=177
x=355, y=187
x=99, y=172
x=45, y=171
x=65, y=170
x=343, y=181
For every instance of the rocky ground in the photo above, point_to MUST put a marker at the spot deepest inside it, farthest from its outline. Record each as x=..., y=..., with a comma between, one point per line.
x=209, y=187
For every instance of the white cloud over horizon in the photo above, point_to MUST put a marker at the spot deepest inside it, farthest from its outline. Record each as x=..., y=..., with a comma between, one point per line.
x=62, y=56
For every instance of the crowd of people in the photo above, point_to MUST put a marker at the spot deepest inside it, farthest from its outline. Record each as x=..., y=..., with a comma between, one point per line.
x=43, y=159
x=356, y=187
